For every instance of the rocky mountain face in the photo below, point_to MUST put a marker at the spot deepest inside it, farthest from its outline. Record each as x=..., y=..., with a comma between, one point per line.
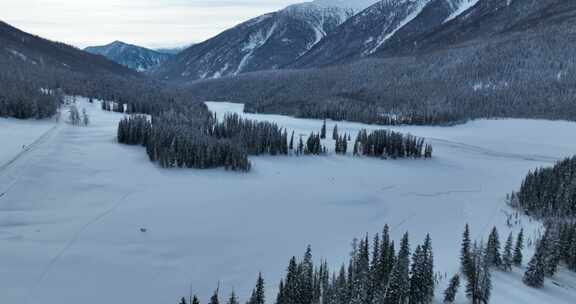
x=386, y=23
x=490, y=58
x=135, y=57
x=267, y=42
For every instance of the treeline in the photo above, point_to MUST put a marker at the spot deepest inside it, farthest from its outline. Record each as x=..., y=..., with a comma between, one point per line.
x=390, y=144
x=364, y=112
x=556, y=247
x=191, y=141
x=380, y=271
x=548, y=192
x=375, y=273
x=194, y=138
x=179, y=140
x=21, y=98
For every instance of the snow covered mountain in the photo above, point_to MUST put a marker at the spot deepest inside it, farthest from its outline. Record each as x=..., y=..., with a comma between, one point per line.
x=132, y=56
x=267, y=42
x=384, y=23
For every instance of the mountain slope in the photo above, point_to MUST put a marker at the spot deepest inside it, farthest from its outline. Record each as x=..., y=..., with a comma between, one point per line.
x=23, y=48
x=485, y=20
x=495, y=59
x=266, y=42
x=384, y=23
x=132, y=56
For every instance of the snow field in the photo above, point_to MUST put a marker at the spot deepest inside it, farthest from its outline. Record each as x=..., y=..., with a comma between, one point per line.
x=70, y=225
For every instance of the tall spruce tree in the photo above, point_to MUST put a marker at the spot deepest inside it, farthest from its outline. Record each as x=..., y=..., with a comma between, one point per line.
x=258, y=294
x=536, y=271
x=233, y=298
x=493, y=249
x=335, y=133
x=517, y=260
x=399, y=284
x=507, y=258
x=452, y=290
x=466, y=253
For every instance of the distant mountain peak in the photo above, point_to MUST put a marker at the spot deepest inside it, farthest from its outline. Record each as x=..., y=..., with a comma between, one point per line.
x=269, y=41
x=135, y=57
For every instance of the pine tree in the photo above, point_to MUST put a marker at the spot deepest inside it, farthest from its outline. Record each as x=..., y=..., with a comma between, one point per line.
x=183, y=301
x=417, y=292
x=214, y=297
x=323, y=130
x=507, y=256
x=233, y=299
x=335, y=133
x=195, y=300
x=485, y=278
x=428, y=270
x=466, y=254
x=517, y=259
x=534, y=275
x=398, y=285
x=493, y=249
x=291, y=146
x=258, y=294
x=553, y=255
x=479, y=283
x=452, y=290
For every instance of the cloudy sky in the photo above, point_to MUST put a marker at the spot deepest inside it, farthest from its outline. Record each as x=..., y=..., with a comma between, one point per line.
x=151, y=23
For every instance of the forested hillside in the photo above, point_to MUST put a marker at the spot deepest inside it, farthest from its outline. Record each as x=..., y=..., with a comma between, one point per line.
x=518, y=68
x=35, y=72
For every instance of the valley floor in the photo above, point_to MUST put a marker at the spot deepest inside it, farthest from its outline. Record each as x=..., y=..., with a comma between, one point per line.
x=72, y=206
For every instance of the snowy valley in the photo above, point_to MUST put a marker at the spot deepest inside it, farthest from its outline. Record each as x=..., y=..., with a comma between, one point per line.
x=74, y=204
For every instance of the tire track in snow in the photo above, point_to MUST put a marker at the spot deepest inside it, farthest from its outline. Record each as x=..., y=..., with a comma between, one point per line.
x=488, y=152
x=27, y=150
x=76, y=237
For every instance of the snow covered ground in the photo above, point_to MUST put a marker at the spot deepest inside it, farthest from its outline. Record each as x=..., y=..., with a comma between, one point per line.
x=72, y=209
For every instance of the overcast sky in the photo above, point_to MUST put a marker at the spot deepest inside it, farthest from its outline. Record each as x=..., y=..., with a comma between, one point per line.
x=151, y=23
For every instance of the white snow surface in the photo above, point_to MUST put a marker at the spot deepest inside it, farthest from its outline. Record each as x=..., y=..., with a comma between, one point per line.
x=72, y=207
x=462, y=7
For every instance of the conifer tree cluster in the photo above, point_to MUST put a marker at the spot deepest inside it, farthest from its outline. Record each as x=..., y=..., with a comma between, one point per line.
x=23, y=99
x=373, y=114
x=111, y=106
x=549, y=192
x=556, y=246
x=375, y=274
x=477, y=260
x=178, y=140
x=256, y=137
x=314, y=145
x=390, y=144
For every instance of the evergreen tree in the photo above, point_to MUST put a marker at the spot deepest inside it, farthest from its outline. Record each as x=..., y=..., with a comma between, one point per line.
x=466, y=253
x=493, y=249
x=534, y=275
x=507, y=258
x=291, y=146
x=195, y=300
x=183, y=301
x=452, y=290
x=214, y=297
x=399, y=285
x=233, y=299
x=258, y=294
x=335, y=133
x=323, y=130
x=517, y=259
